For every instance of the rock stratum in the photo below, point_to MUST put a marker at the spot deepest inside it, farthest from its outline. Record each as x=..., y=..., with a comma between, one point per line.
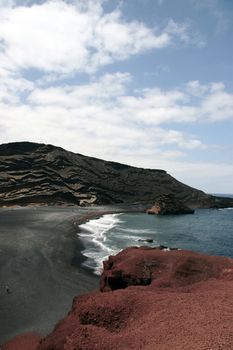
x=32, y=173
x=149, y=299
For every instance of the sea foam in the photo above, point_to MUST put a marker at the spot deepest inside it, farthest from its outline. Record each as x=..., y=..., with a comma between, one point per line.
x=94, y=235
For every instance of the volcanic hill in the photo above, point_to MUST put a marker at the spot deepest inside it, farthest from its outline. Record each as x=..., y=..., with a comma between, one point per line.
x=32, y=173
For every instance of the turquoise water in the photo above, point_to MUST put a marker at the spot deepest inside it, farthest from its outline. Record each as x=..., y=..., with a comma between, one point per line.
x=208, y=230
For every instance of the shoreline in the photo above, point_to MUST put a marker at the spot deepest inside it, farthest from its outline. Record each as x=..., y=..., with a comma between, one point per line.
x=187, y=242
x=47, y=255
x=75, y=219
x=80, y=258
x=48, y=258
x=128, y=312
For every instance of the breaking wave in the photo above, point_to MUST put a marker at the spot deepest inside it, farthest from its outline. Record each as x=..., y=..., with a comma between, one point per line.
x=94, y=235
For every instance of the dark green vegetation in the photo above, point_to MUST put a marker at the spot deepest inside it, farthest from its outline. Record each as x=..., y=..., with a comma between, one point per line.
x=32, y=173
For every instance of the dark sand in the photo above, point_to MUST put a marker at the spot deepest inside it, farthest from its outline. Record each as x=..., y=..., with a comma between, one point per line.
x=40, y=262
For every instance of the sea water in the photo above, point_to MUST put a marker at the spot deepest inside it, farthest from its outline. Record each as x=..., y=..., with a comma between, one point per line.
x=208, y=231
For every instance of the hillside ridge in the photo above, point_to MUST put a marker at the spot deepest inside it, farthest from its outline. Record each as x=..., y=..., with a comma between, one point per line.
x=35, y=173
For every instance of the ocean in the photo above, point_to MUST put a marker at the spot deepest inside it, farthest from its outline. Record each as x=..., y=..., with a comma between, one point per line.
x=40, y=255
x=207, y=231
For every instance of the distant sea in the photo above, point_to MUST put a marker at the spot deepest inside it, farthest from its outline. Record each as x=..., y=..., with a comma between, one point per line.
x=208, y=231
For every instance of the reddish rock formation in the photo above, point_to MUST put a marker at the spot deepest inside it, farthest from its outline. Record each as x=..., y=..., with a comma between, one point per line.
x=28, y=341
x=156, y=268
x=167, y=204
x=153, y=299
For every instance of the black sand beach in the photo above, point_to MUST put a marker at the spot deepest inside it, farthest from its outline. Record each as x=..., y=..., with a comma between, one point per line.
x=40, y=263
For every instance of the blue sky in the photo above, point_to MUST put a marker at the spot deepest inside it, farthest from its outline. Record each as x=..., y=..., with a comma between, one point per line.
x=143, y=82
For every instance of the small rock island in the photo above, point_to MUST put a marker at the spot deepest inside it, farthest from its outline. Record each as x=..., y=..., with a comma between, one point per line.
x=168, y=204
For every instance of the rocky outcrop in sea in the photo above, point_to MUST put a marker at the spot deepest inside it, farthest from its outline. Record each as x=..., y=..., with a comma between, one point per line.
x=168, y=204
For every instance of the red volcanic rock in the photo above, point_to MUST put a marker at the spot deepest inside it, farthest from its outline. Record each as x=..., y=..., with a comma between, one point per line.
x=159, y=268
x=155, y=299
x=152, y=300
x=29, y=341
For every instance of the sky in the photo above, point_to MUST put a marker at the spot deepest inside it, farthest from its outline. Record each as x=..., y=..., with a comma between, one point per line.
x=148, y=83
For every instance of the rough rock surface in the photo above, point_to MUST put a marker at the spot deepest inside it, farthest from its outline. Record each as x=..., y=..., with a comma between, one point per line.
x=167, y=204
x=32, y=173
x=159, y=267
x=28, y=341
x=152, y=299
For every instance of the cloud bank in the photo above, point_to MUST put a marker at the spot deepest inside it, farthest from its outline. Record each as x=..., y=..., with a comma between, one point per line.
x=46, y=50
x=115, y=121
x=65, y=37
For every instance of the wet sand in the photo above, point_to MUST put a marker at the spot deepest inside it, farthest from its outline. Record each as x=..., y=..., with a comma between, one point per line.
x=40, y=262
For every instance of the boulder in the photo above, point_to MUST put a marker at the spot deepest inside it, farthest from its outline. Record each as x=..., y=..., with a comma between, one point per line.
x=146, y=240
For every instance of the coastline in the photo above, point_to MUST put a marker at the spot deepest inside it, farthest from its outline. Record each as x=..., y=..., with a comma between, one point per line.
x=95, y=213
x=49, y=259
x=43, y=269
x=72, y=265
x=112, y=233
x=148, y=298
x=80, y=258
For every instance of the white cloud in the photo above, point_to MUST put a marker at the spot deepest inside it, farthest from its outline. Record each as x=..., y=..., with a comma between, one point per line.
x=11, y=86
x=93, y=119
x=102, y=111
x=194, y=103
x=180, y=30
x=99, y=118
x=217, y=107
x=185, y=33
x=196, y=89
x=64, y=37
x=102, y=119
x=105, y=109
x=107, y=87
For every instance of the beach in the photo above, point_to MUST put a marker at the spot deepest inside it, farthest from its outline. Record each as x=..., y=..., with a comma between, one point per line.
x=40, y=267
x=44, y=273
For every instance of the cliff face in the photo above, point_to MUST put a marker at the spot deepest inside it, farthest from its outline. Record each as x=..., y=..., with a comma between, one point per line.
x=151, y=299
x=36, y=173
